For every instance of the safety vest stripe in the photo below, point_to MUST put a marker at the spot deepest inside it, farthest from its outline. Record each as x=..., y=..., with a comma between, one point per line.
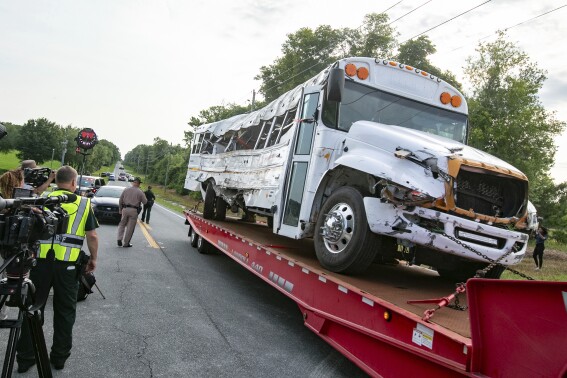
x=75, y=227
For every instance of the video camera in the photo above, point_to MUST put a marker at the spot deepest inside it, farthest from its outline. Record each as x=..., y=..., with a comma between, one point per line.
x=36, y=176
x=25, y=221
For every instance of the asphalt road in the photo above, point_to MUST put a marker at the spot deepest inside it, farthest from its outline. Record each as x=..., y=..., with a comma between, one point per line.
x=172, y=312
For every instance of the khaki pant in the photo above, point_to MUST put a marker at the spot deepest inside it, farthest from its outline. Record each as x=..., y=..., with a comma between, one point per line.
x=127, y=224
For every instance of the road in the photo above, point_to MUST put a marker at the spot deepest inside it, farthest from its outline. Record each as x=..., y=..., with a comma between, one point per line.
x=172, y=312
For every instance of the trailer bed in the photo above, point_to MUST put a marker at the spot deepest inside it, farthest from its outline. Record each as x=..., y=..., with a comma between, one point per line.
x=512, y=328
x=395, y=284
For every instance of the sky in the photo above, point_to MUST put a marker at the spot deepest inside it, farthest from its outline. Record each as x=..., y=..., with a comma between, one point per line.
x=134, y=70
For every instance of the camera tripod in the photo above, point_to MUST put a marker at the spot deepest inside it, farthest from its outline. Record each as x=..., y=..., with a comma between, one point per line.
x=19, y=291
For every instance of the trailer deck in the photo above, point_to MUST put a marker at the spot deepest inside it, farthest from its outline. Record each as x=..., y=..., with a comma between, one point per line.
x=368, y=317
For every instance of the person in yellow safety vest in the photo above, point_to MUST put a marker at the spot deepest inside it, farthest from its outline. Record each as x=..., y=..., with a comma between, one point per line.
x=63, y=275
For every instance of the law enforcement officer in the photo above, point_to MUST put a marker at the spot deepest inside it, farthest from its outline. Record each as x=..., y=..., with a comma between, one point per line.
x=63, y=275
x=130, y=205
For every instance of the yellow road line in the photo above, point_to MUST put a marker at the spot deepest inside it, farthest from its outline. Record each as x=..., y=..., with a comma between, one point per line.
x=149, y=238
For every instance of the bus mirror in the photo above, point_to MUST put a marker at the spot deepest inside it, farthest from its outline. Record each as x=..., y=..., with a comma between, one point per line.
x=335, y=84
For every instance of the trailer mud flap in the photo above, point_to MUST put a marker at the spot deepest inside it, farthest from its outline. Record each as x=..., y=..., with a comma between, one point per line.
x=518, y=327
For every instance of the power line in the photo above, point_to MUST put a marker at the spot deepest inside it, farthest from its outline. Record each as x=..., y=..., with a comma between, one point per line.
x=411, y=11
x=513, y=26
x=444, y=22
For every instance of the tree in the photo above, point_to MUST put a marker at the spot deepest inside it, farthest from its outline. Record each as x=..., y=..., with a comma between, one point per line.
x=415, y=52
x=506, y=115
x=9, y=142
x=37, y=139
x=374, y=38
x=305, y=53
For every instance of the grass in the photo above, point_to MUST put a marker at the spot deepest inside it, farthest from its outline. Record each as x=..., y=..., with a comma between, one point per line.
x=8, y=161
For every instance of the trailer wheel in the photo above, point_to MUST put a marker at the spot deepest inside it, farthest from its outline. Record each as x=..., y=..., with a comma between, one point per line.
x=193, y=236
x=203, y=246
x=343, y=241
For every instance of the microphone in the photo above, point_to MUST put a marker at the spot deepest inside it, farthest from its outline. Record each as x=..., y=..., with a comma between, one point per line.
x=43, y=201
x=63, y=198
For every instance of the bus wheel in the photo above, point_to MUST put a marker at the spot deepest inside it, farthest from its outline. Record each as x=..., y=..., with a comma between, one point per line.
x=220, y=209
x=210, y=203
x=193, y=236
x=343, y=241
x=203, y=246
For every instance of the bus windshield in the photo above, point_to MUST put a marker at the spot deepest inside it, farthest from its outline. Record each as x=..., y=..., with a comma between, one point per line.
x=360, y=102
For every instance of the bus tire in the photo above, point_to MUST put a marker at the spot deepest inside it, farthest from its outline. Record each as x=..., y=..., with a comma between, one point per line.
x=209, y=203
x=220, y=209
x=193, y=236
x=203, y=246
x=351, y=247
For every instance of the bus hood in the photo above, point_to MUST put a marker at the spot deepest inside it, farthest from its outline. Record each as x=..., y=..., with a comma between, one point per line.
x=422, y=145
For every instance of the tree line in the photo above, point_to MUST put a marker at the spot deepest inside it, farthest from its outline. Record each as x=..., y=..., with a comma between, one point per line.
x=43, y=140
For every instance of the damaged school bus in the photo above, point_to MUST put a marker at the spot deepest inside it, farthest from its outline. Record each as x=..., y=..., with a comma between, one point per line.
x=368, y=158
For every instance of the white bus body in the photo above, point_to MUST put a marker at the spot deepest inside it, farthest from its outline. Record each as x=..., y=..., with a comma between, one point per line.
x=368, y=158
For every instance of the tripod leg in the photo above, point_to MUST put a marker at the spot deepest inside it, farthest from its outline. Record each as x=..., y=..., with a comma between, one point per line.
x=10, y=353
x=40, y=349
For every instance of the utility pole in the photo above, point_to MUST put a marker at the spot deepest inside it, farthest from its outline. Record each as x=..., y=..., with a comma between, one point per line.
x=166, y=173
x=64, y=145
x=52, y=156
x=253, y=98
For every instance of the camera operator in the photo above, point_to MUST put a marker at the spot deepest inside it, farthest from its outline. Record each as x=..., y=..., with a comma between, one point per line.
x=8, y=182
x=31, y=164
x=64, y=276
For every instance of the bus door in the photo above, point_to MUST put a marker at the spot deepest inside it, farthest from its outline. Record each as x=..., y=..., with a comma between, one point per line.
x=288, y=221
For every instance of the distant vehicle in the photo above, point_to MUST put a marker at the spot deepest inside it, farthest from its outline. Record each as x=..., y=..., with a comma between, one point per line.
x=121, y=168
x=111, y=177
x=90, y=184
x=105, y=203
x=103, y=174
x=122, y=176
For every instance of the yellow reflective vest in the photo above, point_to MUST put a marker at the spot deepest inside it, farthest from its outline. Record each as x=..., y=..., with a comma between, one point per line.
x=68, y=245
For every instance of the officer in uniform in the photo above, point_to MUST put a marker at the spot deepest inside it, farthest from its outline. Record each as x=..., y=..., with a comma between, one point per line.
x=63, y=275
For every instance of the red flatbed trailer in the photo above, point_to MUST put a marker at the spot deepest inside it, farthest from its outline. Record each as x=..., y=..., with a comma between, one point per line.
x=510, y=329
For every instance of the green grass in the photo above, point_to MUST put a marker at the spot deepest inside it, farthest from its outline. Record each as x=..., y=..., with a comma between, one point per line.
x=8, y=160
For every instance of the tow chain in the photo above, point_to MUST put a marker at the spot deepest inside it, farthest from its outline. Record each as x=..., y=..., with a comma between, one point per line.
x=482, y=273
x=460, y=287
x=195, y=208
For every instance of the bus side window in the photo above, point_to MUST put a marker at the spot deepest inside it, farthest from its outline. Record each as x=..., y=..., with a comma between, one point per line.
x=274, y=131
x=207, y=145
x=246, y=138
x=286, y=124
x=196, y=143
x=263, y=134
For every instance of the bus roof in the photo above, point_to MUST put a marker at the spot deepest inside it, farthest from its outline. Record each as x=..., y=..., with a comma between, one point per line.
x=423, y=88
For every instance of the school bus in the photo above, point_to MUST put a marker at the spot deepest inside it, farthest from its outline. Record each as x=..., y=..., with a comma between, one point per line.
x=370, y=159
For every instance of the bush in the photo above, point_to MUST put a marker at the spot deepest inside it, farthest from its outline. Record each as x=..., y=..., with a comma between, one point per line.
x=560, y=236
